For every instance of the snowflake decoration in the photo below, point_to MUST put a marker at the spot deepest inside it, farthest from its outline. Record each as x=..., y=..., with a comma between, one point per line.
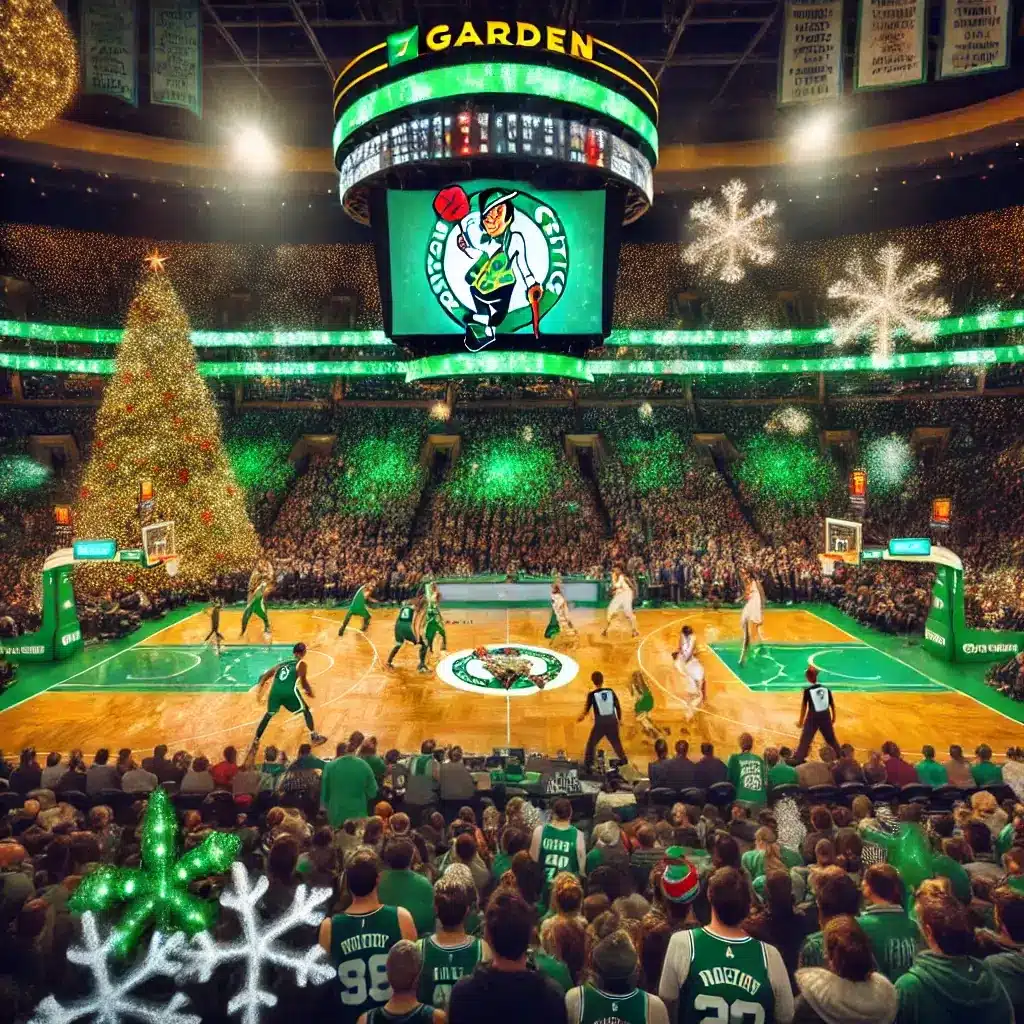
x=788, y=420
x=113, y=1000
x=258, y=945
x=730, y=235
x=890, y=306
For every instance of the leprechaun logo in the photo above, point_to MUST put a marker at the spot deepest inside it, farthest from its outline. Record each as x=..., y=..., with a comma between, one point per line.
x=513, y=669
x=497, y=261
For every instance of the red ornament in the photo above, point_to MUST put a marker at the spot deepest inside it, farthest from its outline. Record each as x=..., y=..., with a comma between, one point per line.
x=110, y=466
x=131, y=579
x=98, y=445
x=206, y=446
x=183, y=475
x=219, y=556
x=231, y=490
x=168, y=397
x=207, y=516
x=129, y=407
x=177, y=421
x=147, y=375
x=128, y=376
x=85, y=492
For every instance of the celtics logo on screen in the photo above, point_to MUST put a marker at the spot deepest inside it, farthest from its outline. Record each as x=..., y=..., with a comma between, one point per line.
x=497, y=261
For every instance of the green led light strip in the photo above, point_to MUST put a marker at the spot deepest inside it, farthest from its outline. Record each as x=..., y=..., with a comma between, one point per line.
x=548, y=364
x=489, y=79
x=953, y=325
x=495, y=364
x=203, y=339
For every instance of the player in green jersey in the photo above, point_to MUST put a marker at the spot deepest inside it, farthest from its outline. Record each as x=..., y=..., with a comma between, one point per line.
x=719, y=973
x=359, y=606
x=449, y=954
x=612, y=996
x=409, y=629
x=358, y=941
x=404, y=967
x=435, y=621
x=218, y=636
x=285, y=693
x=260, y=584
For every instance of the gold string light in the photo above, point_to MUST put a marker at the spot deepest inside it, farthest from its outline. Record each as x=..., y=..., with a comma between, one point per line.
x=38, y=65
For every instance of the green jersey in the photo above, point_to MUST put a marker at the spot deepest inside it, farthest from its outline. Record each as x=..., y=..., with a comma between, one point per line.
x=443, y=966
x=727, y=980
x=931, y=773
x=358, y=604
x=894, y=938
x=403, y=625
x=558, y=851
x=812, y=952
x=284, y=690
x=597, y=1007
x=418, y=1015
x=359, y=951
x=747, y=774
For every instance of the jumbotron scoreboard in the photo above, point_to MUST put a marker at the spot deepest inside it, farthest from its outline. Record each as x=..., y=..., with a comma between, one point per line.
x=496, y=162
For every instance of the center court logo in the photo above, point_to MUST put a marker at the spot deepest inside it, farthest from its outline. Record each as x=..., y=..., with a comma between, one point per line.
x=497, y=261
x=513, y=669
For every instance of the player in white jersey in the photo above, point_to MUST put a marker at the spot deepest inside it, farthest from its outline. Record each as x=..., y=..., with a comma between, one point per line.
x=622, y=601
x=559, y=622
x=752, y=615
x=689, y=667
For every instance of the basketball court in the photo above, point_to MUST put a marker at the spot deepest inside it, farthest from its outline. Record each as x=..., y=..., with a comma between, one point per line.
x=164, y=684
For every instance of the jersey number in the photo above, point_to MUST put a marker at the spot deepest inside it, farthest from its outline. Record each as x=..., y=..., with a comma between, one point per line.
x=352, y=974
x=441, y=997
x=553, y=863
x=738, y=1012
x=283, y=674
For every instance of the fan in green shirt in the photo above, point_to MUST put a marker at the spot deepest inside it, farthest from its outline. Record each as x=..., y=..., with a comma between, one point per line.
x=984, y=772
x=836, y=895
x=402, y=887
x=894, y=936
x=930, y=772
x=779, y=773
x=346, y=787
x=747, y=773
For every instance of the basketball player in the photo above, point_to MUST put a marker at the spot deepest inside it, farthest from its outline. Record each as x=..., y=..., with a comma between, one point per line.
x=644, y=704
x=450, y=953
x=358, y=941
x=604, y=702
x=817, y=714
x=218, y=637
x=260, y=584
x=559, y=620
x=623, y=590
x=287, y=677
x=435, y=621
x=358, y=606
x=752, y=615
x=409, y=629
x=688, y=665
x=719, y=972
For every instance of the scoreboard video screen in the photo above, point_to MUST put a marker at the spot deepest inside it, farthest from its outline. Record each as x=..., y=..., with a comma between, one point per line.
x=493, y=263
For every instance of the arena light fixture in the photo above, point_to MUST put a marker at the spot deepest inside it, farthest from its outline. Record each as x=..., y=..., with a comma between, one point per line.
x=253, y=150
x=997, y=320
x=814, y=136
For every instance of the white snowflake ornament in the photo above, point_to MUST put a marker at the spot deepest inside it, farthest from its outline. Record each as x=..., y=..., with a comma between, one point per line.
x=729, y=235
x=889, y=306
x=258, y=945
x=113, y=999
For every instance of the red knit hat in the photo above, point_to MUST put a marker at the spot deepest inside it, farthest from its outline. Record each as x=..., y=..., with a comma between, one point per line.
x=681, y=881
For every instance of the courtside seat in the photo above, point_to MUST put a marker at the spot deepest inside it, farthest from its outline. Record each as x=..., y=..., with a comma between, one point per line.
x=781, y=792
x=170, y=787
x=721, y=793
x=10, y=801
x=823, y=794
x=943, y=797
x=693, y=796
x=662, y=796
x=883, y=792
x=849, y=790
x=187, y=801
x=117, y=800
x=1000, y=791
x=915, y=793
x=79, y=800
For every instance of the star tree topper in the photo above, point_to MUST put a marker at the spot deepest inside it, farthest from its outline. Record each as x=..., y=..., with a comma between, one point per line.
x=157, y=893
x=729, y=235
x=890, y=306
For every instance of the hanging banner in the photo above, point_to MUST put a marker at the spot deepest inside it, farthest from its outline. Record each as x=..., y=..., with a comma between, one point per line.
x=175, y=54
x=890, y=44
x=110, y=49
x=975, y=37
x=811, y=62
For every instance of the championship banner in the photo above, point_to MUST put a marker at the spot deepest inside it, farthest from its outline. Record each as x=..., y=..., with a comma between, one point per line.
x=175, y=54
x=811, y=62
x=975, y=37
x=890, y=44
x=110, y=49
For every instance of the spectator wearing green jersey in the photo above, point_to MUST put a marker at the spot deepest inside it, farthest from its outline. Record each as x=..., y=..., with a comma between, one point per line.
x=403, y=968
x=400, y=886
x=836, y=895
x=983, y=771
x=779, y=772
x=747, y=773
x=894, y=937
x=929, y=771
x=1007, y=958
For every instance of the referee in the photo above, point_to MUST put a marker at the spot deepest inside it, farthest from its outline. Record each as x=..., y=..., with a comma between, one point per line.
x=604, y=703
x=817, y=714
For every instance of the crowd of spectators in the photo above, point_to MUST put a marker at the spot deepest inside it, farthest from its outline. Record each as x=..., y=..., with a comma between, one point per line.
x=556, y=903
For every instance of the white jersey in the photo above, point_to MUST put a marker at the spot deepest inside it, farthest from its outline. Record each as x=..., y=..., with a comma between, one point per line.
x=687, y=663
x=621, y=586
x=560, y=607
x=753, y=610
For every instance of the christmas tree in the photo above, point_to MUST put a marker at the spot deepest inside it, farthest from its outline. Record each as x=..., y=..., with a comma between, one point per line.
x=158, y=422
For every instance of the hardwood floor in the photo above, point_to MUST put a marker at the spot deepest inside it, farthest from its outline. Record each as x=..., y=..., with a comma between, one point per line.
x=354, y=691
